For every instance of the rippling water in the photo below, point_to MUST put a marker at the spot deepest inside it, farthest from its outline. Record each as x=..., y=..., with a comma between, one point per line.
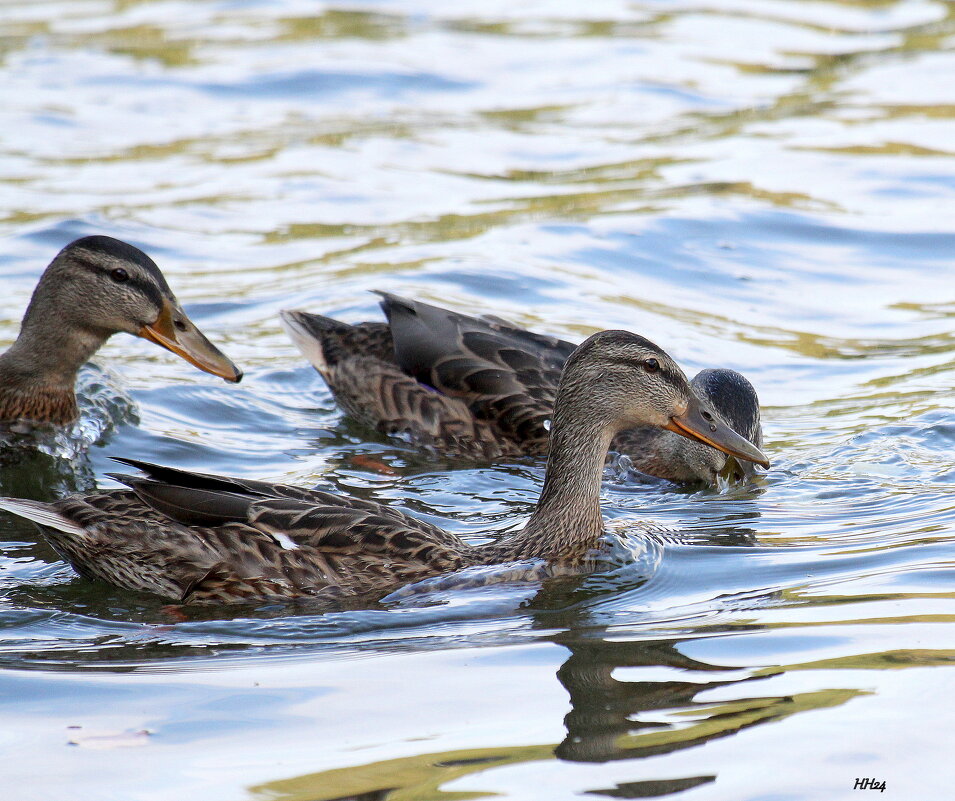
x=762, y=185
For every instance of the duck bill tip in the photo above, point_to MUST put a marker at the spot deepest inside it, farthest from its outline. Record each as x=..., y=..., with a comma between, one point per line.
x=717, y=435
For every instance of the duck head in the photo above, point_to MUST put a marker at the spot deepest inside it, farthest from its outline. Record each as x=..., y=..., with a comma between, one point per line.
x=98, y=286
x=626, y=381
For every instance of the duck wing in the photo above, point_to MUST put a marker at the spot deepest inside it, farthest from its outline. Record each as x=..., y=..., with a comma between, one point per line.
x=358, y=364
x=382, y=396
x=205, y=499
x=505, y=375
x=315, y=542
x=484, y=392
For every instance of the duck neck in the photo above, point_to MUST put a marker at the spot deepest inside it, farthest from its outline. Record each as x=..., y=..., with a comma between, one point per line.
x=38, y=372
x=567, y=522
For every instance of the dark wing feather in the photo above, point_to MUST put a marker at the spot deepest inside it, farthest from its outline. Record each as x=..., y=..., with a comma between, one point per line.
x=188, y=478
x=361, y=549
x=188, y=505
x=425, y=336
x=187, y=493
x=506, y=376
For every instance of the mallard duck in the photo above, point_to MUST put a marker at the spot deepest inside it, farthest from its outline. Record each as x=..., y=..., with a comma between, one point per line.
x=192, y=537
x=480, y=388
x=96, y=286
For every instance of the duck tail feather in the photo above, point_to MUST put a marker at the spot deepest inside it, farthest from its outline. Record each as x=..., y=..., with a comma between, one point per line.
x=43, y=514
x=312, y=335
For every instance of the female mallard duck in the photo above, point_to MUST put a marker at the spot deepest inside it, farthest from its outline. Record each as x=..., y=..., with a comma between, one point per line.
x=479, y=388
x=95, y=287
x=200, y=538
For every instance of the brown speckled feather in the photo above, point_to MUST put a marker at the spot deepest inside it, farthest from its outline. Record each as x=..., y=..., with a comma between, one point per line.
x=463, y=386
x=268, y=540
x=379, y=395
x=56, y=406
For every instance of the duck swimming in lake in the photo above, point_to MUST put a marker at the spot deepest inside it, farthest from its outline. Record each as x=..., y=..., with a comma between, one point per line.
x=480, y=388
x=96, y=286
x=192, y=537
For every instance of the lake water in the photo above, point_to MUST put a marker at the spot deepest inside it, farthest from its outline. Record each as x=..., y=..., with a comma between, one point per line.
x=765, y=185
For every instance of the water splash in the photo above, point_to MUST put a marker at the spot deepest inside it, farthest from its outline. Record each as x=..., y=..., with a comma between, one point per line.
x=103, y=404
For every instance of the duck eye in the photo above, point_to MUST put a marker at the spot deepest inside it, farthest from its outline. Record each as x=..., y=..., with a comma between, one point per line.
x=119, y=275
x=651, y=365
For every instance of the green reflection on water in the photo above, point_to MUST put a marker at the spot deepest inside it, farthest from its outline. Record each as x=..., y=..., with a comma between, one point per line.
x=422, y=776
x=404, y=779
x=341, y=24
x=886, y=660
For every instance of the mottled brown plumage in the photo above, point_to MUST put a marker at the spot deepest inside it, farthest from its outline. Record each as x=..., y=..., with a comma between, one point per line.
x=199, y=538
x=95, y=287
x=479, y=388
x=35, y=404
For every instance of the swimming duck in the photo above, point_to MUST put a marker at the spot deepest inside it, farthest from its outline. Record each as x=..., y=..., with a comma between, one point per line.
x=192, y=537
x=96, y=286
x=480, y=388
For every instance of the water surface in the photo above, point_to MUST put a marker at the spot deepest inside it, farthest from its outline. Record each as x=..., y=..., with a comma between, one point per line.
x=760, y=185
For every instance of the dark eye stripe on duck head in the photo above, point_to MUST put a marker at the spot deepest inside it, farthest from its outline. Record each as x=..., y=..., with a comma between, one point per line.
x=664, y=373
x=97, y=253
x=667, y=371
x=677, y=381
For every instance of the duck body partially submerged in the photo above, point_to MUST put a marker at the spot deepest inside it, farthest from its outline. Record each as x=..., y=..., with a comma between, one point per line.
x=199, y=538
x=479, y=388
x=96, y=286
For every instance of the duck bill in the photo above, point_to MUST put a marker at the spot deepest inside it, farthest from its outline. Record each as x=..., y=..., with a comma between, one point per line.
x=177, y=333
x=693, y=425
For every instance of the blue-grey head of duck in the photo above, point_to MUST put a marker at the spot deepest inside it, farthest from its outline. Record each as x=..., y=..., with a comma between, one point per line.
x=96, y=286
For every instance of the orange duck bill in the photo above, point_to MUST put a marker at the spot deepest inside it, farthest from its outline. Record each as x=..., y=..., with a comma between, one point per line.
x=177, y=333
x=699, y=423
